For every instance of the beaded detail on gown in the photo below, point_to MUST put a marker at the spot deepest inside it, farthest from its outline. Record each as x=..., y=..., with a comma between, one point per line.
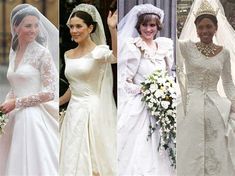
x=202, y=142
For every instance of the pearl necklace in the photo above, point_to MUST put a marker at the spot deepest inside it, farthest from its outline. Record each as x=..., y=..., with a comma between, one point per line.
x=207, y=49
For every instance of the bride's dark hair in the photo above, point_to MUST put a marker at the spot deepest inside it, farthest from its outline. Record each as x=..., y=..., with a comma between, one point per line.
x=87, y=19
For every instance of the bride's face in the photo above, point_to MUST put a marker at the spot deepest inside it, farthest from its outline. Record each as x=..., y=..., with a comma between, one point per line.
x=206, y=30
x=79, y=30
x=148, y=30
x=28, y=29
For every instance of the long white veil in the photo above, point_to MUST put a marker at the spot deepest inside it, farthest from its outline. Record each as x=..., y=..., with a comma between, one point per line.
x=224, y=36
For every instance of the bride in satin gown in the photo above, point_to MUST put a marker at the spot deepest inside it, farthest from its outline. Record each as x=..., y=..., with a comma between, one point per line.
x=140, y=55
x=205, y=120
x=29, y=145
x=88, y=132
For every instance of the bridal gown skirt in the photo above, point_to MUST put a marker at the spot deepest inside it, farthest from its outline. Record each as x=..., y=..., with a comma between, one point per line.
x=137, y=153
x=85, y=148
x=202, y=147
x=29, y=145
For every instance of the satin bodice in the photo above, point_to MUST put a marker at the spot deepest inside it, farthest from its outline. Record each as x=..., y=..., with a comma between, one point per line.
x=84, y=76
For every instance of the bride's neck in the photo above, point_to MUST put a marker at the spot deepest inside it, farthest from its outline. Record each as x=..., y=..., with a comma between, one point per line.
x=22, y=47
x=87, y=43
x=151, y=43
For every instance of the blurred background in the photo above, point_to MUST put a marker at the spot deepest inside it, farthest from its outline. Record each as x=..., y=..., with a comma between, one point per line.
x=47, y=7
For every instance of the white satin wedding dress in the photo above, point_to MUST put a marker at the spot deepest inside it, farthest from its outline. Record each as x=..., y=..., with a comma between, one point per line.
x=30, y=145
x=88, y=132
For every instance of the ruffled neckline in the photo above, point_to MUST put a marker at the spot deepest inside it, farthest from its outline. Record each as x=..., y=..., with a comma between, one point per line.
x=148, y=53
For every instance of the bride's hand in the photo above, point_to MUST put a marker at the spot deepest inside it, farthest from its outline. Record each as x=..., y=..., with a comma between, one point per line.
x=7, y=106
x=112, y=20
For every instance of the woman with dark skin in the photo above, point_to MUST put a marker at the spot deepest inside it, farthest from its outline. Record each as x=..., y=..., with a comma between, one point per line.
x=204, y=132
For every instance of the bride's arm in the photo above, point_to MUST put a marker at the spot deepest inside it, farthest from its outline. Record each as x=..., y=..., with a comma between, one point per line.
x=228, y=83
x=49, y=82
x=128, y=69
x=112, y=23
x=66, y=97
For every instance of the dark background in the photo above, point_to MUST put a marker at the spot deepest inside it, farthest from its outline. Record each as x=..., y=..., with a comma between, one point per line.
x=66, y=7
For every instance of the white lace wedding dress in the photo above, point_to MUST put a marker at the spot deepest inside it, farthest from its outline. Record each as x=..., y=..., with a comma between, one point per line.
x=137, y=154
x=205, y=139
x=30, y=143
x=88, y=132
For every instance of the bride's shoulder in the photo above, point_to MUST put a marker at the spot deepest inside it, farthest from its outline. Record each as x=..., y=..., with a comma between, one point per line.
x=38, y=50
x=164, y=43
x=69, y=53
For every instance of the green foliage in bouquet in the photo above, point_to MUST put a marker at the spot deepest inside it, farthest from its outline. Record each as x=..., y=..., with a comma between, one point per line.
x=3, y=122
x=159, y=94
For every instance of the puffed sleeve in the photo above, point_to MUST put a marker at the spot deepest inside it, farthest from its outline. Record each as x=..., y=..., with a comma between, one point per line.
x=104, y=54
x=227, y=80
x=129, y=68
x=48, y=78
x=166, y=44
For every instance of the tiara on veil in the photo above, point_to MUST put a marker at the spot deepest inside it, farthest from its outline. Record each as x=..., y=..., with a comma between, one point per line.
x=90, y=9
x=149, y=8
x=205, y=8
x=98, y=36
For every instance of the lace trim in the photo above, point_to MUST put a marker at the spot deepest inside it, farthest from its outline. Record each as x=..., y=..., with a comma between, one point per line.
x=40, y=58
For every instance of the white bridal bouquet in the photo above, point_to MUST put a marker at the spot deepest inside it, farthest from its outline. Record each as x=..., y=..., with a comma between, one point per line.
x=3, y=122
x=159, y=94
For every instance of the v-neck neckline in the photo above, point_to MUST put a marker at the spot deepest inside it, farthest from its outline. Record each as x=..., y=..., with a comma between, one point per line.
x=16, y=66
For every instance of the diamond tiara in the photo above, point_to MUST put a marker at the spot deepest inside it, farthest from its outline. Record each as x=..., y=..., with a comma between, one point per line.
x=205, y=8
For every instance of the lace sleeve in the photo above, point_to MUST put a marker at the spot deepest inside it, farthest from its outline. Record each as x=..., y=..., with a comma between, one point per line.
x=228, y=84
x=181, y=71
x=10, y=95
x=48, y=84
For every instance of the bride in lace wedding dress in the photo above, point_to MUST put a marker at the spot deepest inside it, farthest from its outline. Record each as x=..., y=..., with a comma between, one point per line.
x=30, y=143
x=205, y=138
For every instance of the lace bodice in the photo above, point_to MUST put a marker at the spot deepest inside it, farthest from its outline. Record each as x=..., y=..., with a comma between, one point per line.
x=34, y=81
x=204, y=73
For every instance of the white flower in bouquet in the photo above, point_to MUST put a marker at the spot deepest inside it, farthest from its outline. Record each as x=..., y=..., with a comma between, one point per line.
x=165, y=104
x=159, y=95
x=161, y=80
x=153, y=100
x=153, y=88
x=150, y=105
